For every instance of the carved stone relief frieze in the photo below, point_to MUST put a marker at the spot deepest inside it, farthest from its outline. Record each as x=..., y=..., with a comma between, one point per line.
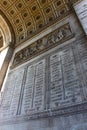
x=51, y=40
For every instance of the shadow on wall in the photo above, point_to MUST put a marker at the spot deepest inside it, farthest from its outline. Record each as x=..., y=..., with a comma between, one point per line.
x=1, y=41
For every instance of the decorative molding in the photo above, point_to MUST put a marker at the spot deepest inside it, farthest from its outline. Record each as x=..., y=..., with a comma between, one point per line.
x=53, y=39
x=66, y=111
x=75, y=1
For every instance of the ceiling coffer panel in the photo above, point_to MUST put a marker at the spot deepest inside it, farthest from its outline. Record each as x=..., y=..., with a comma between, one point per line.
x=29, y=17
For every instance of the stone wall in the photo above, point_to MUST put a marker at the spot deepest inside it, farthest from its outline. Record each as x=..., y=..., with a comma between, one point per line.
x=69, y=122
x=49, y=92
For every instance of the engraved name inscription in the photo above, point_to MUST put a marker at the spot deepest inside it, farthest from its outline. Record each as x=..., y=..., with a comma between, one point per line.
x=9, y=103
x=54, y=82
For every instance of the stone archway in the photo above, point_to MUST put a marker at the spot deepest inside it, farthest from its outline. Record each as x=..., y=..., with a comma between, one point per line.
x=6, y=46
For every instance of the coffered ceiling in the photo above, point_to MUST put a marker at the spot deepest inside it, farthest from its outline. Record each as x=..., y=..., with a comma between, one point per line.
x=29, y=17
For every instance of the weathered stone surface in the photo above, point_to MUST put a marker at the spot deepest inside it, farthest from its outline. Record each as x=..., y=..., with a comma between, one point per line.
x=50, y=92
x=81, y=11
x=53, y=82
x=73, y=122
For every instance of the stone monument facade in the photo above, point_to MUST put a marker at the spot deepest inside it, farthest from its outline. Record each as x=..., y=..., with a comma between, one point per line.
x=46, y=84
